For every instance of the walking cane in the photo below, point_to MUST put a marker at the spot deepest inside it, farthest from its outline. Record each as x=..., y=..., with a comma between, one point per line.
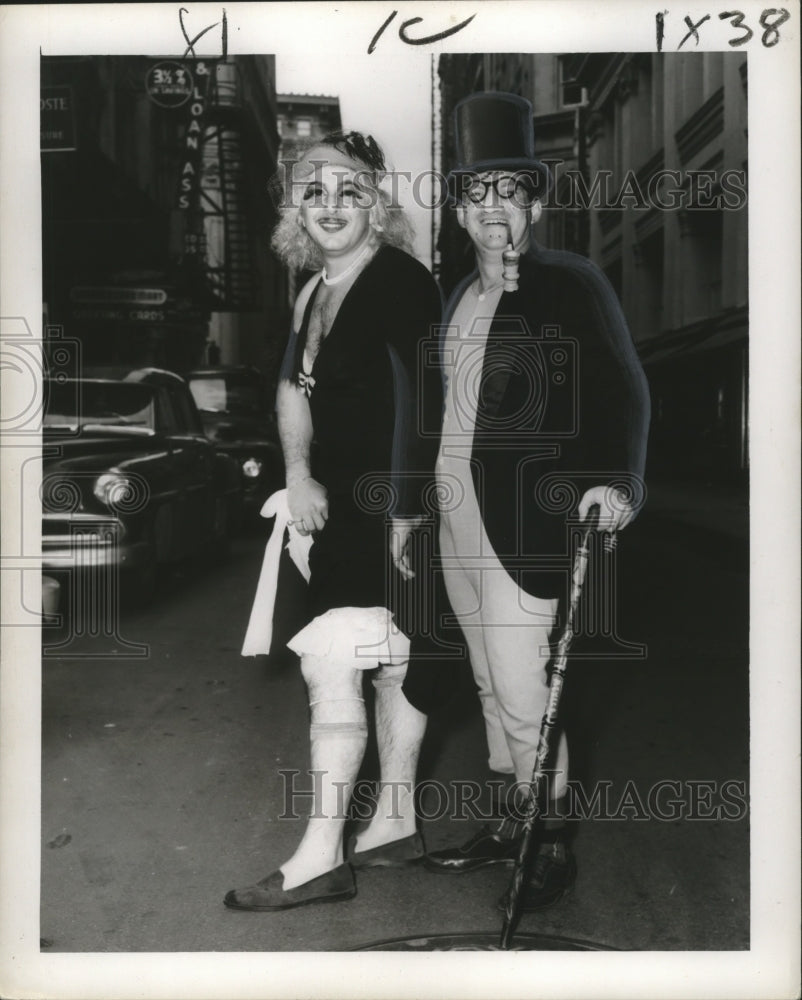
x=547, y=726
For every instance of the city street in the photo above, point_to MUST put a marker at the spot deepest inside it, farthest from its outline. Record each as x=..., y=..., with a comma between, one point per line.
x=162, y=784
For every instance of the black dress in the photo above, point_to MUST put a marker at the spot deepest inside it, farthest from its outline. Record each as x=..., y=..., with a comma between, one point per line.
x=375, y=395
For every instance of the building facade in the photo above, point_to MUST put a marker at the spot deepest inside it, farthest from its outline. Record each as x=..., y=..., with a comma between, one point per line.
x=668, y=134
x=303, y=118
x=156, y=214
x=649, y=156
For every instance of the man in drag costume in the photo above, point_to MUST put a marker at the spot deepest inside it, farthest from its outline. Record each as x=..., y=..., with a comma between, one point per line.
x=546, y=416
x=350, y=402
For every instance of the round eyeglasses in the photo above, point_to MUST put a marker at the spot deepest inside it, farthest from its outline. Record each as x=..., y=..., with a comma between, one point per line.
x=519, y=187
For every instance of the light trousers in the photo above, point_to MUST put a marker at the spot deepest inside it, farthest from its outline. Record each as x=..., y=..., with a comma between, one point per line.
x=506, y=630
x=507, y=633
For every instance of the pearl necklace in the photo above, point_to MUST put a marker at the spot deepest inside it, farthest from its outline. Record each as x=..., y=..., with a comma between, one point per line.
x=349, y=270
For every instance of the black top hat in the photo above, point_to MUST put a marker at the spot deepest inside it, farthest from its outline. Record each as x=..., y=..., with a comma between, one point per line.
x=495, y=131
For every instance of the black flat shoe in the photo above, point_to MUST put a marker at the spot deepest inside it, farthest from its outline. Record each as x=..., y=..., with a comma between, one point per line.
x=396, y=854
x=553, y=876
x=483, y=849
x=270, y=894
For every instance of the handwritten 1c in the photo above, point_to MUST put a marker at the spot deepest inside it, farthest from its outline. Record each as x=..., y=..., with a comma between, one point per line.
x=404, y=36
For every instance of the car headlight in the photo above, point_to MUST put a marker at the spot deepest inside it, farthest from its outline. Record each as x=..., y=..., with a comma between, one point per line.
x=118, y=491
x=251, y=467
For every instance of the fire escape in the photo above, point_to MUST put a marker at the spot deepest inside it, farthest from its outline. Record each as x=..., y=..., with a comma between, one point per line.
x=223, y=203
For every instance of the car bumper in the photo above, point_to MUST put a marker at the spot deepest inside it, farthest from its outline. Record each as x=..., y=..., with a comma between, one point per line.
x=89, y=542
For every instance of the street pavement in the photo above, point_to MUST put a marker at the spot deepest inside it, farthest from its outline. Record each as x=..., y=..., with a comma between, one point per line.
x=162, y=784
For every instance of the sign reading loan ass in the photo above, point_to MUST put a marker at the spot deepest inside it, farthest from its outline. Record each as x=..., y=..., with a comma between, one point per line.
x=56, y=120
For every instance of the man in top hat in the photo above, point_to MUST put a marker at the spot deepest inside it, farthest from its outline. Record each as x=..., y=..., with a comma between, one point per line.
x=546, y=416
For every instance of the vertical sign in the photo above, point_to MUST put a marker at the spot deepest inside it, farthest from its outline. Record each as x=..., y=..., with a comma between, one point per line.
x=191, y=156
x=173, y=85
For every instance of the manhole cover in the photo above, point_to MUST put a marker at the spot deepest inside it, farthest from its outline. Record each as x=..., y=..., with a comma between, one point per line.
x=482, y=942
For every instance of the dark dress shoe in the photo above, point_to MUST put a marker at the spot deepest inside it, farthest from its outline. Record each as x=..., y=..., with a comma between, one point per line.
x=270, y=894
x=485, y=848
x=397, y=854
x=553, y=875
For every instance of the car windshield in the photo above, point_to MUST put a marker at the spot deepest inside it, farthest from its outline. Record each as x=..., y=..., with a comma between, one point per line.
x=80, y=404
x=240, y=394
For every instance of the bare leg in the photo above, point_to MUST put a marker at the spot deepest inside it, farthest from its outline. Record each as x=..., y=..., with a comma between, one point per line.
x=399, y=732
x=338, y=734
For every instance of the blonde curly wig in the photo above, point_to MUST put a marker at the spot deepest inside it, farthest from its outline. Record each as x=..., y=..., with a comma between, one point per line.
x=390, y=224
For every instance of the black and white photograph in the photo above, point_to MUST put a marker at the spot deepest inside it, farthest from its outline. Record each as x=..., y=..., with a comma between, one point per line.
x=400, y=498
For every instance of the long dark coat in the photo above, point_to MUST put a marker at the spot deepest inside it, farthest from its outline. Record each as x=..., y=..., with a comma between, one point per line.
x=563, y=406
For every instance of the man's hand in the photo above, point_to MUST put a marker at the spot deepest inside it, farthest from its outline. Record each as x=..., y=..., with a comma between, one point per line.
x=309, y=505
x=615, y=511
x=400, y=534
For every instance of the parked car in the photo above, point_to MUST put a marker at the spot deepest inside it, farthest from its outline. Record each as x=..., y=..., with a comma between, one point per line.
x=236, y=408
x=129, y=477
